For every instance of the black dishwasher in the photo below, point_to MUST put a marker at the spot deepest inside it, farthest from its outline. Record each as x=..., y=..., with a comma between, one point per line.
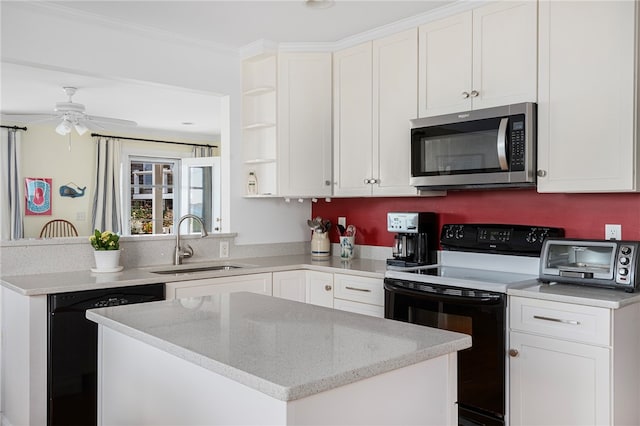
x=72, y=349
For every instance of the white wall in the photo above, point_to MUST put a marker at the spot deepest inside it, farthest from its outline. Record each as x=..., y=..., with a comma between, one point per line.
x=40, y=35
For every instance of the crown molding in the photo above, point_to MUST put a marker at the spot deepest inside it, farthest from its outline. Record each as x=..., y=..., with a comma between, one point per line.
x=252, y=50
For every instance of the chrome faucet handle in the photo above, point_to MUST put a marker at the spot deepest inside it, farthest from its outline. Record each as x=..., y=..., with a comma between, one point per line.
x=187, y=251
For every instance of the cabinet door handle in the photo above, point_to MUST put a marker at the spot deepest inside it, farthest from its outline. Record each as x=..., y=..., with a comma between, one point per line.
x=542, y=173
x=327, y=287
x=465, y=95
x=366, y=181
x=366, y=290
x=513, y=353
x=373, y=180
x=563, y=321
x=474, y=93
x=327, y=183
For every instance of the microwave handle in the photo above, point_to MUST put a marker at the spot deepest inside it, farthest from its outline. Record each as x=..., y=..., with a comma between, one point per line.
x=501, y=144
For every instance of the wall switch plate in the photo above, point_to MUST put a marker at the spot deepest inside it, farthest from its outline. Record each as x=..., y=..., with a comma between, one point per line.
x=342, y=221
x=612, y=232
x=224, y=248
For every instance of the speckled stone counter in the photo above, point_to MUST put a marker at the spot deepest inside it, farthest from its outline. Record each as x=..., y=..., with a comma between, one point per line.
x=285, y=349
x=576, y=294
x=61, y=282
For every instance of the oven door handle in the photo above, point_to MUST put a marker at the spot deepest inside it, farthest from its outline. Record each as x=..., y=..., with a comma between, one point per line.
x=501, y=144
x=487, y=299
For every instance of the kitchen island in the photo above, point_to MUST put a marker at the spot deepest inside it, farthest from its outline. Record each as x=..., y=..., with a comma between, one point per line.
x=243, y=358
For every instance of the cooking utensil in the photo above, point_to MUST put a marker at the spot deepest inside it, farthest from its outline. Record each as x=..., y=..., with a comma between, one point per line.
x=341, y=229
x=351, y=231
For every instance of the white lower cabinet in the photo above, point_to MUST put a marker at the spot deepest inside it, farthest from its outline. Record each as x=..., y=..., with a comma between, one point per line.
x=311, y=287
x=555, y=382
x=255, y=283
x=572, y=364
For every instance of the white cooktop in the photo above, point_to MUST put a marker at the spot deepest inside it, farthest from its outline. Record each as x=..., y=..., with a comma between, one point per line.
x=481, y=271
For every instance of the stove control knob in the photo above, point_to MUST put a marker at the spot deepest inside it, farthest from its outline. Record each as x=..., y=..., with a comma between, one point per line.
x=625, y=250
x=624, y=260
x=623, y=272
x=513, y=353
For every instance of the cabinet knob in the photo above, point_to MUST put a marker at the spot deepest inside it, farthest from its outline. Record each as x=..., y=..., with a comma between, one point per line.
x=373, y=180
x=474, y=93
x=366, y=181
x=327, y=287
x=327, y=183
x=513, y=353
x=465, y=95
x=542, y=173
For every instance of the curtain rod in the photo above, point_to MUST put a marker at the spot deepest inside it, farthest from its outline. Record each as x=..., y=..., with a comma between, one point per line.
x=151, y=140
x=14, y=128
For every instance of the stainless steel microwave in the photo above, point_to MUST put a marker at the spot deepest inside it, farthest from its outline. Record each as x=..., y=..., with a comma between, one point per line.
x=486, y=148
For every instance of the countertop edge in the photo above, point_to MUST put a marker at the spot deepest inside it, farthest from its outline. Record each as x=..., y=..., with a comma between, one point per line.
x=144, y=275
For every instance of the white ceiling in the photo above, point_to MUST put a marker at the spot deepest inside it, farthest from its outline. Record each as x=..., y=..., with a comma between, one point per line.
x=227, y=25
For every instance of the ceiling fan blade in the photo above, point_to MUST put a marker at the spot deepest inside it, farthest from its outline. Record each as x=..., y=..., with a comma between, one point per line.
x=29, y=118
x=107, y=120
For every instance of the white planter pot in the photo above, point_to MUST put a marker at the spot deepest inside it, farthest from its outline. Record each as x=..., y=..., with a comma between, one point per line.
x=107, y=260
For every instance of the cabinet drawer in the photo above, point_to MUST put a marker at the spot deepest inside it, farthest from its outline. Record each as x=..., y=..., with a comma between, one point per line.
x=567, y=321
x=359, y=289
x=255, y=283
x=359, y=308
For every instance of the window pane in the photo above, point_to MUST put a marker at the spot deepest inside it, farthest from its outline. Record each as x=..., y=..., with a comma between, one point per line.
x=151, y=197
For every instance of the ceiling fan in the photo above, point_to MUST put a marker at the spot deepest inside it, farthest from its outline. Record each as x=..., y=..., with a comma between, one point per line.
x=71, y=115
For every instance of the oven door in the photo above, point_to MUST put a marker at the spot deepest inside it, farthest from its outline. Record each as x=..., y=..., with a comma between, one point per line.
x=481, y=314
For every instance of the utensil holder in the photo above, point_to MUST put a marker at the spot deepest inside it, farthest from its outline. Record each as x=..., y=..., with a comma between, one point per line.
x=320, y=245
x=346, y=247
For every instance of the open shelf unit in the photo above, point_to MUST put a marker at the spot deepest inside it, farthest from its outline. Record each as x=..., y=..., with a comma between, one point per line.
x=259, y=131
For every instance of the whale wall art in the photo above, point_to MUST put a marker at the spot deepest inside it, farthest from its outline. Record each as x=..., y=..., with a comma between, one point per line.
x=38, y=196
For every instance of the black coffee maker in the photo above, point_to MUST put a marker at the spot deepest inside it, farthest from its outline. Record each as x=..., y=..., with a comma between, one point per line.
x=416, y=239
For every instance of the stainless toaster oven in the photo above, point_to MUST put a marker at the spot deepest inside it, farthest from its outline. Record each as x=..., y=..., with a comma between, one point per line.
x=601, y=263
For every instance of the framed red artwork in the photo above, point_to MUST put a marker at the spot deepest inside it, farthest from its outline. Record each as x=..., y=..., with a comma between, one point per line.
x=37, y=196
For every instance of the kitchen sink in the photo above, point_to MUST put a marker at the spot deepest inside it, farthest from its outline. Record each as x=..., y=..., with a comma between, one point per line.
x=180, y=270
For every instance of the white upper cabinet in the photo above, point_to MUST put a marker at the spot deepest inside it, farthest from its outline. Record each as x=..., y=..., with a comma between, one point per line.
x=353, y=120
x=395, y=100
x=287, y=123
x=587, y=114
x=375, y=96
x=479, y=59
x=304, y=124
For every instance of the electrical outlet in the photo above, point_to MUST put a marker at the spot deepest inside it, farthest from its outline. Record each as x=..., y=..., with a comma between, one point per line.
x=342, y=221
x=613, y=232
x=224, y=248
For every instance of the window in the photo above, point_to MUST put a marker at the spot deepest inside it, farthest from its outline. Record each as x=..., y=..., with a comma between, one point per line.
x=151, y=196
x=160, y=190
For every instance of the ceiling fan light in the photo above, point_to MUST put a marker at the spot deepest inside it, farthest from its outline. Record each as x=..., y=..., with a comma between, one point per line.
x=80, y=128
x=64, y=128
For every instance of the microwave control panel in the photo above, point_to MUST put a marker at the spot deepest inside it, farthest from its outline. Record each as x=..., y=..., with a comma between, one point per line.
x=517, y=139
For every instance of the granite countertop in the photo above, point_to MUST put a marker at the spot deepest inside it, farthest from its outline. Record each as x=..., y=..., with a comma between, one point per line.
x=61, y=282
x=285, y=349
x=576, y=294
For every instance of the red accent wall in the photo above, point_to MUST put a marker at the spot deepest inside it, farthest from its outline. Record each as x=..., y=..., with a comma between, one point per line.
x=581, y=215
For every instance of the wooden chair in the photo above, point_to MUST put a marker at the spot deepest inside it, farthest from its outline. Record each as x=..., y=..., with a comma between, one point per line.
x=58, y=228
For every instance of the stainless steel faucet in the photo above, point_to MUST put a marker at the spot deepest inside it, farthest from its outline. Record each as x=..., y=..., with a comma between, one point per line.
x=179, y=252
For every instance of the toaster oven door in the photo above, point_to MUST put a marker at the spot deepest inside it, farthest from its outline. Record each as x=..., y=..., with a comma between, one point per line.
x=589, y=260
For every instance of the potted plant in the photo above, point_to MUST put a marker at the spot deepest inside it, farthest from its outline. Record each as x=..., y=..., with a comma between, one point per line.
x=107, y=251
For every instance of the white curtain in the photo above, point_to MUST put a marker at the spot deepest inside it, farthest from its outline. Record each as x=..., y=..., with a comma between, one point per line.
x=107, y=201
x=11, y=223
x=202, y=151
